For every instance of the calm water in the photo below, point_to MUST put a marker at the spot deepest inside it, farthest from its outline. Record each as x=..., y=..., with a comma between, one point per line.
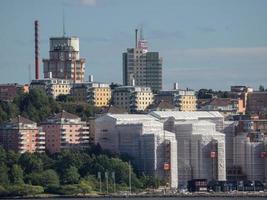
x=169, y=198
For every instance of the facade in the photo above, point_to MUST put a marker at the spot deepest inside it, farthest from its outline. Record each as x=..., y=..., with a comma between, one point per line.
x=65, y=131
x=184, y=100
x=200, y=145
x=10, y=90
x=132, y=98
x=143, y=138
x=64, y=60
x=256, y=102
x=201, y=151
x=142, y=67
x=52, y=87
x=22, y=135
x=226, y=106
x=250, y=154
x=99, y=94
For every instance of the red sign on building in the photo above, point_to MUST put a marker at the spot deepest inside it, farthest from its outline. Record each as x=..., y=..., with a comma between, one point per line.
x=213, y=154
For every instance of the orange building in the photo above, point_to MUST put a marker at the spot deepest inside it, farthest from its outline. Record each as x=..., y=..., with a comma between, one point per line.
x=22, y=135
x=65, y=131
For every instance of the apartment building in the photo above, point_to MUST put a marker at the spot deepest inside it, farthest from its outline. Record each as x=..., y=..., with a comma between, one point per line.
x=10, y=90
x=22, y=135
x=256, y=102
x=132, y=98
x=52, y=87
x=65, y=131
x=184, y=100
x=98, y=94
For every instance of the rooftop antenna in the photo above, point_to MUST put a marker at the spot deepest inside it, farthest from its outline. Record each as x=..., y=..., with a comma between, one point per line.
x=64, y=31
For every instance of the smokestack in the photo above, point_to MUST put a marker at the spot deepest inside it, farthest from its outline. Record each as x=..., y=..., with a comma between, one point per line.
x=136, y=32
x=36, y=29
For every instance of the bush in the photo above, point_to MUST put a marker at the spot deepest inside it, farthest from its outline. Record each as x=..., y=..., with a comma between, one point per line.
x=24, y=190
x=69, y=189
x=3, y=191
x=48, y=177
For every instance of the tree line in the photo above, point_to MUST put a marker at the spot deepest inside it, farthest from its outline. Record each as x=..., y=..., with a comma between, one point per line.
x=69, y=172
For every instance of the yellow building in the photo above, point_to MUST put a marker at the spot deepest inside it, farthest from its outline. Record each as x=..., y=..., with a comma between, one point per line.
x=132, y=98
x=187, y=100
x=183, y=100
x=52, y=87
x=98, y=94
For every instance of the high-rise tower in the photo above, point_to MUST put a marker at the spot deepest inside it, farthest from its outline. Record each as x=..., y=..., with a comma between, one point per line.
x=142, y=67
x=64, y=60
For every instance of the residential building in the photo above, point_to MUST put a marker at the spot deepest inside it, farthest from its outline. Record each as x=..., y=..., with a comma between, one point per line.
x=184, y=100
x=226, y=106
x=98, y=94
x=142, y=66
x=154, y=151
x=10, y=90
x=64, y=60
x=65, y=131
x=52, y=87
x=256, y=102
x=22, y=135
x=132, y=98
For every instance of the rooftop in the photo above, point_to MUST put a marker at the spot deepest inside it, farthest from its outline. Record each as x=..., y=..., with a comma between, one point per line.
x=183, y=115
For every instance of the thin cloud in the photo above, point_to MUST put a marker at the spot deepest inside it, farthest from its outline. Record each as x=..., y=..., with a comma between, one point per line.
x=88, y=2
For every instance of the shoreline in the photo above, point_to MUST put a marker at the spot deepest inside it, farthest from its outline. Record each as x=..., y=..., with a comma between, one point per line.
x=179, y=195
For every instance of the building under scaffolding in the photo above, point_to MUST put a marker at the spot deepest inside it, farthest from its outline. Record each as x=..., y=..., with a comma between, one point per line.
x=250, y=154
x=143, y=138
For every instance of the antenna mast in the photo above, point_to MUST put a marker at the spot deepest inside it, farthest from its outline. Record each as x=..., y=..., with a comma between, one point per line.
x=64, y=31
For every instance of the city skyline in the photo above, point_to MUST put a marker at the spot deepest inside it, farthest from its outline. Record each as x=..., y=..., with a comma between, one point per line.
x=223, y=43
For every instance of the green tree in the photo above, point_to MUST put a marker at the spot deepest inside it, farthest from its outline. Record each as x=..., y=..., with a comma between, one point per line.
x=30, y=163
x=71, y=176
x=4, y=180
x=16, y=174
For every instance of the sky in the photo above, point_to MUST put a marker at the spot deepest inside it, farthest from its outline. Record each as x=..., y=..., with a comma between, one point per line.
x=203, y=43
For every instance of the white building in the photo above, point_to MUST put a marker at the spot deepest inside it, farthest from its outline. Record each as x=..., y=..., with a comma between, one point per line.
x=250, y=154
x=212, y=116
x=200, y=147
x=143, y=138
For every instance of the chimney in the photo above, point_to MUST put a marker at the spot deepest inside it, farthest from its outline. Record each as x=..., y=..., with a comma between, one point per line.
x=36, y=40
x=91, y=78
x=175, y=86
x=136, y=32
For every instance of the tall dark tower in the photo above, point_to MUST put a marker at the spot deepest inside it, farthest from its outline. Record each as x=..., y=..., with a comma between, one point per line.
x=36, y=42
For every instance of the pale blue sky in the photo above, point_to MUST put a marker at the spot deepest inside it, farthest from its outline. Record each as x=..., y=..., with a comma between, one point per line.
x=204, y=43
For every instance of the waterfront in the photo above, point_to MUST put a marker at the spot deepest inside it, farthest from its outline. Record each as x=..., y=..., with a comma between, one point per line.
x=160, y=198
